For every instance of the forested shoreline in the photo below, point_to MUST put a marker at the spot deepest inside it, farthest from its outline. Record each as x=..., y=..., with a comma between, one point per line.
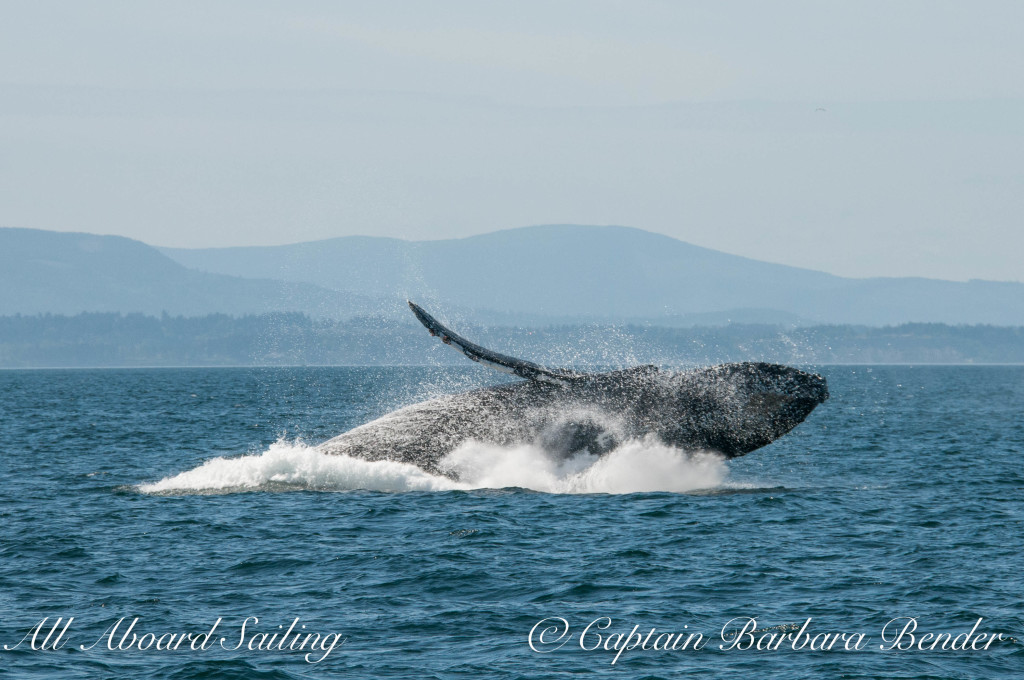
x=124, y=340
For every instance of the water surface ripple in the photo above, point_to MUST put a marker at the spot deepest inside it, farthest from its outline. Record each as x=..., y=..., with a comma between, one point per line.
x=901, y=496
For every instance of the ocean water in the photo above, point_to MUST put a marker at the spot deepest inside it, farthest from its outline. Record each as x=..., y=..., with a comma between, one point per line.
x=182, y=498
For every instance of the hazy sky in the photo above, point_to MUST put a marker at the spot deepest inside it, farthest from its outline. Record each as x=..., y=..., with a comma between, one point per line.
x=862, y=138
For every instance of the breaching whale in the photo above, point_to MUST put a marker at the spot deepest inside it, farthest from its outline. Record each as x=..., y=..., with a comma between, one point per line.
x=731, y=409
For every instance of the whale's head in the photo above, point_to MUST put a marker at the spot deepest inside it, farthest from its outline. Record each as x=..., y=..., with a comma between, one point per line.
x=779, y=387
x=736, y=408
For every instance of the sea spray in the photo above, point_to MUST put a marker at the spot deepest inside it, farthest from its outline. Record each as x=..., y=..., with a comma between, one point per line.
x=296, y=465
x=635, y=466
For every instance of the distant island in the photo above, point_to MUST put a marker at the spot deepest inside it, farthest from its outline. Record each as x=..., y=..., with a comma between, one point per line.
x=559, y=294
x=531, y=276
x=295, y=339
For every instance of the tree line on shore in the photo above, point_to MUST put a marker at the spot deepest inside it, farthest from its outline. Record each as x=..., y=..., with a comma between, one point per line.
x=111, y=340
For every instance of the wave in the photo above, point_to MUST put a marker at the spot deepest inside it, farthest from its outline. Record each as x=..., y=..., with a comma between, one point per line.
x=635, y=466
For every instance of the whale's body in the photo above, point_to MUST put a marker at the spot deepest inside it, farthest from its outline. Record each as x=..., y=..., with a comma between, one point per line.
x=732, y=409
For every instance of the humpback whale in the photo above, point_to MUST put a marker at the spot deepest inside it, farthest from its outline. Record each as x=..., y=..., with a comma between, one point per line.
x=731, y=409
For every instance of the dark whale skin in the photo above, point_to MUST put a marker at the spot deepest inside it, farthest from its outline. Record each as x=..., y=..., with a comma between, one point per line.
x=731, y=409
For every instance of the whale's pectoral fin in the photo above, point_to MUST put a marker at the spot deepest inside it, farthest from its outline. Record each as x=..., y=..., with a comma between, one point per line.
x=499, y=362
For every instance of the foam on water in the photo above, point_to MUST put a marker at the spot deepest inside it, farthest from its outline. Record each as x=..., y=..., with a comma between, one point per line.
x=636, y=466
x=297, y=465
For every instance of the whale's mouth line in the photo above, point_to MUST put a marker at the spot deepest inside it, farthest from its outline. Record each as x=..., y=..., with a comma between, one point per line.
x=637, y=466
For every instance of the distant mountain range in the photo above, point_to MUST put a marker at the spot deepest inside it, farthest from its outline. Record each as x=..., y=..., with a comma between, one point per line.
x=540, y=275
x=67, y=273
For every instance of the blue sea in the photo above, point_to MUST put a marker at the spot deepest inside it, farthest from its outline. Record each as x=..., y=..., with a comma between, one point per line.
x=185, y=524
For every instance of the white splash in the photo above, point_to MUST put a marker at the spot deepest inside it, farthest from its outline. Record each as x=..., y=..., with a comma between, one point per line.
x=299, y=466
x=636, y=466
